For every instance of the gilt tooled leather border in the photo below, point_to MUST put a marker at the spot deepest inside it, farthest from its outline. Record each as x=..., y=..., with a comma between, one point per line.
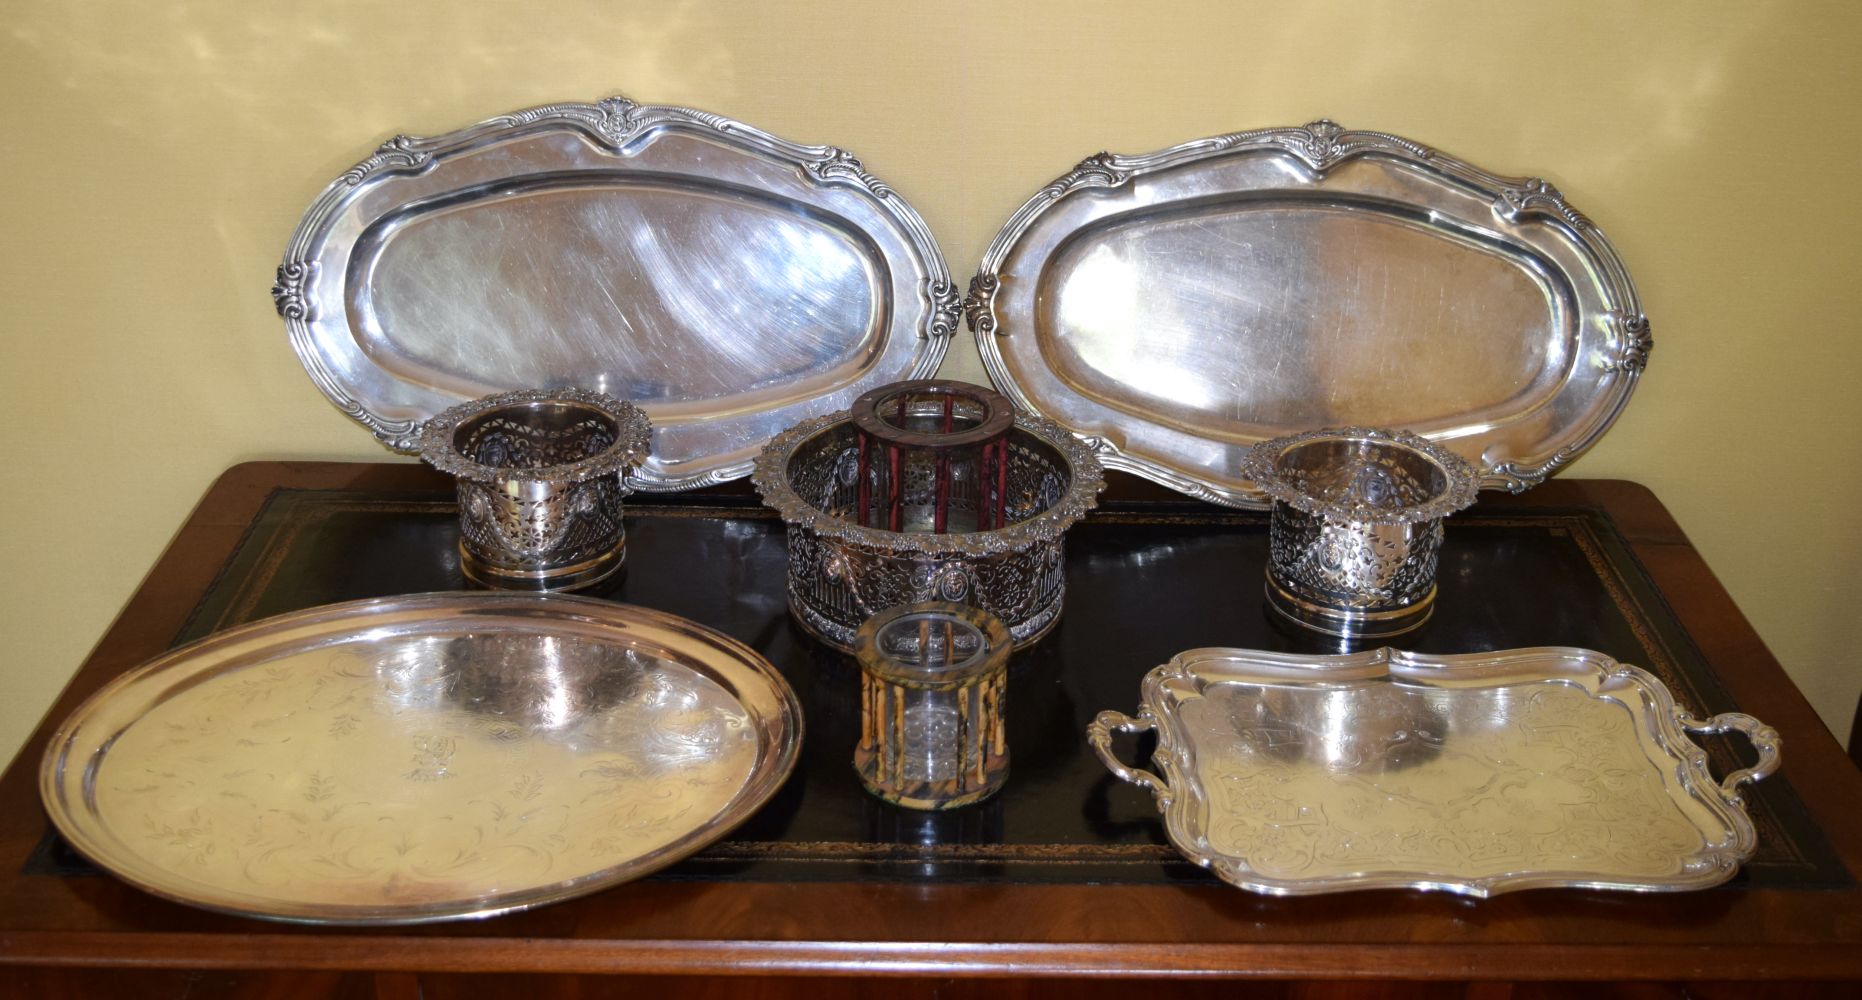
x=289, y=515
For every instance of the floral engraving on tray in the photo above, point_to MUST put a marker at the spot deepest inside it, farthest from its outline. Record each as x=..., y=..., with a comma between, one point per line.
x=1400, y=780
x=432, y=754
x=429, y=768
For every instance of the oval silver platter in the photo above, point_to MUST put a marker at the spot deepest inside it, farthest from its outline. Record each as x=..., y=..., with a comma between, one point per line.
x=1475, y=774
x=728, y=282
x=421, y=758
x=1177, y=307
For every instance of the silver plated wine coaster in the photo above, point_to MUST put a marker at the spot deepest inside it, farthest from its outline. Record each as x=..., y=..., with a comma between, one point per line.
x=1476, y=774
x=541, y=476
x=842, y=572
x=1357, y=526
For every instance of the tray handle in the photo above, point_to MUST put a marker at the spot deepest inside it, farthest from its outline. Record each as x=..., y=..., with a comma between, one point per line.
x=1764, y=739
x=1099, y=737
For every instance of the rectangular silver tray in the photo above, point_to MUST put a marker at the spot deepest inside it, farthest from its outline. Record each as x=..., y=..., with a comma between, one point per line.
x=1476, y=774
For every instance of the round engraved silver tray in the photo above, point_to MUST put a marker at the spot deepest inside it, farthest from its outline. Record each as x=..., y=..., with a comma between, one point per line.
x=421, y=758
x=1475, y=774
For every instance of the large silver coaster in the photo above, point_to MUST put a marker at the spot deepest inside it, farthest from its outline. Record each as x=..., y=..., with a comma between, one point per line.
x=1177, y=307
x=841, y=572
x=1476, y=774
x=728, y=282
x=421, y=758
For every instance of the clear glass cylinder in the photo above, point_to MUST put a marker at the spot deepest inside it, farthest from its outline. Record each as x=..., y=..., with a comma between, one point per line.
x=934, y=691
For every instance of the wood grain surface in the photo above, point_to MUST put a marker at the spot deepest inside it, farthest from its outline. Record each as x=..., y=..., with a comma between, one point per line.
x=81, y=935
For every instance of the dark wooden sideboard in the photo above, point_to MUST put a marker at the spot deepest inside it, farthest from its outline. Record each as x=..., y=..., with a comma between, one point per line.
x=1017, y=918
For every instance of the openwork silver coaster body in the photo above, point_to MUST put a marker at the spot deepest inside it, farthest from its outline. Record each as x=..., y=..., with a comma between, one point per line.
x=841, y=573
x=540, y=478
x=1357, y=526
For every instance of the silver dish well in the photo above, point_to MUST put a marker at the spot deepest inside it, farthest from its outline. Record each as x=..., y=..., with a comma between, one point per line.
x=841, y=573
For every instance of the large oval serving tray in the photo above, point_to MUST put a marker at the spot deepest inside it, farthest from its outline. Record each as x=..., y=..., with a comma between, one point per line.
x=421, y=758
x=728, y=282
x=1177, y=307
x=1475, y=774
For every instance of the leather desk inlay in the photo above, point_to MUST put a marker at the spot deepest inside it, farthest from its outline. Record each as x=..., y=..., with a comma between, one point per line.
x=1146, y=579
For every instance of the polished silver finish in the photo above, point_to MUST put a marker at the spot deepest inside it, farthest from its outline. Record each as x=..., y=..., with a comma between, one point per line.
x=841, y=573
x=1357, y=526
x=1177, y=307
x=541, y=475
x=728, y=282
x=421, y=758
x=1475, y=774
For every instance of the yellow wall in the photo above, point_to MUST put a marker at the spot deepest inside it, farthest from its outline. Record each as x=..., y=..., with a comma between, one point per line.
x=155, y=156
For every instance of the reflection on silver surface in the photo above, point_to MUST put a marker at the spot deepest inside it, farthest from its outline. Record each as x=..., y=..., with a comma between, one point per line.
x=842, y=573
x=540, y=476
x=727, y=281
x=584, y=276
x=1179, y=306
x=1357, y=526
x=421, y=758
x=1475, y=774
